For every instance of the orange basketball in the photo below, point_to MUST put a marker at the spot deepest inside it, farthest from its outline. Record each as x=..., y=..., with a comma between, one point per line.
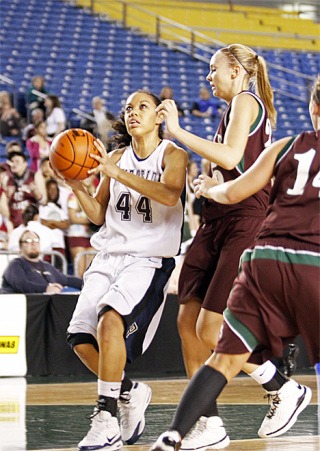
x=70, y=154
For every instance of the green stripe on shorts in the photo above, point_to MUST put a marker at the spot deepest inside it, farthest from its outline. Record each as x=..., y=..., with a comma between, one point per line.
x=245, y=335
x=281, y=254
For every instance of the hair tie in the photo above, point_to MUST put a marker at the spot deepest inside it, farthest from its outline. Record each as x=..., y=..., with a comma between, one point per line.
x=256, y=57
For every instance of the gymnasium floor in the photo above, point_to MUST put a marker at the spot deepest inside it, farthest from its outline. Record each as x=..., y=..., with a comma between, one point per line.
x=49, y=414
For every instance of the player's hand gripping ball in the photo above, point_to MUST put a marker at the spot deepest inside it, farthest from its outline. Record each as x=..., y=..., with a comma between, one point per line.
x=70, y=154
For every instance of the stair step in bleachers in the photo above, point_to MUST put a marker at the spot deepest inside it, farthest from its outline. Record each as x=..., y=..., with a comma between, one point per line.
x=82, y=56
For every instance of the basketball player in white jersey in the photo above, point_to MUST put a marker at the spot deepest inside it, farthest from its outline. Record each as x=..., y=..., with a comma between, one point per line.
x=138, y=202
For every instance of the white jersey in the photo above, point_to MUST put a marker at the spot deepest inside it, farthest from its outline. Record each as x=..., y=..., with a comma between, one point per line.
x=135, y=224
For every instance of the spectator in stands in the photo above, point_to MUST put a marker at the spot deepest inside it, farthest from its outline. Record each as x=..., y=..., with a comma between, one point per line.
x=205, y=105
x=167, y=93
x=29, y=274
x=6, y=226
x=34, y=100
x=11, y=146
x=9, y=117
x=31, y=221
x=79, y=232
x=37, y=115
x=55, y=116
x=53, y=216
x=38, y=146
x=103, y=119
x=5, y=230
x=44, y=174
x=21, y=189
x=101, y=123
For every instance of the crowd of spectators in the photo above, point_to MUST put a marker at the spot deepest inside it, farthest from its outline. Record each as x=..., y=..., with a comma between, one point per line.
x=33, y=198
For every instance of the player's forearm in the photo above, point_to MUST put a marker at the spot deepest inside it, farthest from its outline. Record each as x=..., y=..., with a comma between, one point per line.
x=91, y=207
x=217, y=153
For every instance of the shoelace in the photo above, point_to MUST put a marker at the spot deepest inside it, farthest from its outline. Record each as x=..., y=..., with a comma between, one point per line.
x=91, y=415
x=97, y=426
x=275, y=401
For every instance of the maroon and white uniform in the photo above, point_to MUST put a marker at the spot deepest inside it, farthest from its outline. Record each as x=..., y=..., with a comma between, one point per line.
x=20, y=195
x=276, y=295
x=212, y=261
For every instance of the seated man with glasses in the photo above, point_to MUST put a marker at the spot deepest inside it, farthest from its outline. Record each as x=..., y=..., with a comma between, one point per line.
x=29, y=274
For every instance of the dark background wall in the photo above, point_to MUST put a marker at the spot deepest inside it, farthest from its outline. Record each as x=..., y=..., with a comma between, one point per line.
x=48, y=353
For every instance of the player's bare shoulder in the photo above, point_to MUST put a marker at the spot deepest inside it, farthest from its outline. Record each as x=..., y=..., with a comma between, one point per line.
x=176, y=154
x=116, y=154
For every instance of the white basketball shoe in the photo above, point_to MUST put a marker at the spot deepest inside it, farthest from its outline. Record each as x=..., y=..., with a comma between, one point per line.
x=208, y=433
x=103, y=434
x=168, y=441
x=286, y=404
x=132, y=407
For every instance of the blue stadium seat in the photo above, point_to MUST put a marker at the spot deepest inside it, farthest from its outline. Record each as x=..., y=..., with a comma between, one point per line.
x=82, y=55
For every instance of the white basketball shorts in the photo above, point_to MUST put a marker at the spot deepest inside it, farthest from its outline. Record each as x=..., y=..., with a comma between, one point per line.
x=136, y=287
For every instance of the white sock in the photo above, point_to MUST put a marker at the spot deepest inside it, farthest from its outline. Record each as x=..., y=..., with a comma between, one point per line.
x=264, y=373
x=110, y=389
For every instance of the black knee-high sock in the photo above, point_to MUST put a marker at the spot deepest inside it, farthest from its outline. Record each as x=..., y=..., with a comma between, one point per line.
x=201, y=392
x=212, y=410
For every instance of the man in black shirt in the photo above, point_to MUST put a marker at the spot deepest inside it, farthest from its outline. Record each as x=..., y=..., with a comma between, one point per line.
x=29, y=274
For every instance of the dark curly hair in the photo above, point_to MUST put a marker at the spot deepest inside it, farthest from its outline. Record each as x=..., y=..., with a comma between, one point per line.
x=122, y=138
x=29, y=213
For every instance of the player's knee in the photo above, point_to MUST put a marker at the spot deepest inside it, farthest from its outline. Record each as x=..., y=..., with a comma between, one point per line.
x=207, y=336
x=80, y=350
x=187, y=319
x=186, y=328
x=110, y=327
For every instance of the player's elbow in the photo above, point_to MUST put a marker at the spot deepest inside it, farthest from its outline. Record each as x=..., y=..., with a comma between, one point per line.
x=171, y=200
x=232, y=197
x=98, y=221
x=230, y=161
x=229, y=164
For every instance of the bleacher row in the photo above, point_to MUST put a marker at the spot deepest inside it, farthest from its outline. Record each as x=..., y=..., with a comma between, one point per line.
x=82, y=55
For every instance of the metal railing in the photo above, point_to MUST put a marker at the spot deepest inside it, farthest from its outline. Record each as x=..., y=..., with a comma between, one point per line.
x=57, y=259
x=87, y=255
x=134, y=15
x=190, y=41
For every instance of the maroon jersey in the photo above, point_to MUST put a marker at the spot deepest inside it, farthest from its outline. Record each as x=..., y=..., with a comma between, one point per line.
x=20, y=195
x=295, y=191
x=259, y=138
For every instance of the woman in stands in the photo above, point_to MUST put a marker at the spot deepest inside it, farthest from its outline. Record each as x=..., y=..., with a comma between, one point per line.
x=55, y=116
x=80, y=230
x=237, y=75
x=38, y=145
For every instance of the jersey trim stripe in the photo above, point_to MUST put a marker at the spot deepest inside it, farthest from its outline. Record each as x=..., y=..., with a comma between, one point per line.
x=281, y=254
x=256, y=123
x=285, y=150
x=253, y=128
x=240, y=330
